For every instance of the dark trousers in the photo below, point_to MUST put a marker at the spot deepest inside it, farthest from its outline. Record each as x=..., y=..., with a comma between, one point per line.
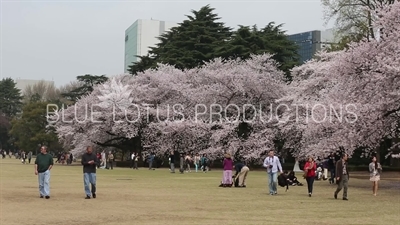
x=110, y=164
x=133, y=164
x=332, y=176
x=29, y=160
x=310, y=184
x=343, y=184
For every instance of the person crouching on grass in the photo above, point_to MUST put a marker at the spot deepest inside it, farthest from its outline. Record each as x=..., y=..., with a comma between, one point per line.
x=227, y=174
x=241, y=173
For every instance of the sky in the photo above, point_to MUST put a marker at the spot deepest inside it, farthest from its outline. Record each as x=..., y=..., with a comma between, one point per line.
x=59, y=40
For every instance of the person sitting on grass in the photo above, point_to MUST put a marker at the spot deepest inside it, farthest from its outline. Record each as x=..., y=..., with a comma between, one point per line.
x=292, y=179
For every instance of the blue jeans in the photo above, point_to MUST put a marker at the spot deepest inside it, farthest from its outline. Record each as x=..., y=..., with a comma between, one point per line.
x=44, y=183
x=89, y=178
x=272, y=182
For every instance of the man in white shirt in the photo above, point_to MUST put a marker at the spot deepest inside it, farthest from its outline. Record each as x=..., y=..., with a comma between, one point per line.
x=272, y=164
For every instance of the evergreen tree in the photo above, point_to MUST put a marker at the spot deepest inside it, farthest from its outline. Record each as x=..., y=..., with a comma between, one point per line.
x=271, y=39
x=201, y=38
x=190, y=44
x=87, y=81
x=10, y=105
x=10, y=98
x=30, y=130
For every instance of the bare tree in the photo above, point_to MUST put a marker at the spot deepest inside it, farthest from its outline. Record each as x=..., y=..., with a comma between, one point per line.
x=353, y=17
x=42, y=90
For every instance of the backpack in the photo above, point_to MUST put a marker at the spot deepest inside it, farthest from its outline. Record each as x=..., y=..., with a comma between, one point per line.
x=282, y=181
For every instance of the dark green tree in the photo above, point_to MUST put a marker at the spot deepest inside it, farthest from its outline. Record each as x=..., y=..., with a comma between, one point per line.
x=190, y=44
x=10, y=98
x=271, y=39
x=10, y=105
x=146, y=62
x=30, y=130
x=201, y=38
x=88, y=81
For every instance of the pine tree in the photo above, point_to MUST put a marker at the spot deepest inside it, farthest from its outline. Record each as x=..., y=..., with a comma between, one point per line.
x=190, y=44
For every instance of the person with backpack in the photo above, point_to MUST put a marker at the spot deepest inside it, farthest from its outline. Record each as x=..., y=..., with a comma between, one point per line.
x=309, y=173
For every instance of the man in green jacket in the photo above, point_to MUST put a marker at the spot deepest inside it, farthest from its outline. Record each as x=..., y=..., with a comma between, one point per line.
x=43, y=165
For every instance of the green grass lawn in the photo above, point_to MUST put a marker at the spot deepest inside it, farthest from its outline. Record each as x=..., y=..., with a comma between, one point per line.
x=126, y=196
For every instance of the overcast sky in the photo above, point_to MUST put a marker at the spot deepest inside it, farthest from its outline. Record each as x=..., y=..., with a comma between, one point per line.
x=59, y=40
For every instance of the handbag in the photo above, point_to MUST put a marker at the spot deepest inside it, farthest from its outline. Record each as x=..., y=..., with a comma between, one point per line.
x=305, y=173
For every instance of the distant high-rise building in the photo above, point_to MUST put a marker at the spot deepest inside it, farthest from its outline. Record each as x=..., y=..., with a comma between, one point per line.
x=141, y=35
x=311, y=42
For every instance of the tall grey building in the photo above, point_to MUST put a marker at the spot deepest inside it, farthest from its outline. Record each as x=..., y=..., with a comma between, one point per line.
x=141, y=35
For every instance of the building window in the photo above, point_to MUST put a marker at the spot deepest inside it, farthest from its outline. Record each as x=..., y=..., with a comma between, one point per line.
x=126, y=38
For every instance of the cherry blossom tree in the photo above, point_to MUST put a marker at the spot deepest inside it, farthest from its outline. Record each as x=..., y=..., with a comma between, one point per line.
x=223, y=106
x=362, y=83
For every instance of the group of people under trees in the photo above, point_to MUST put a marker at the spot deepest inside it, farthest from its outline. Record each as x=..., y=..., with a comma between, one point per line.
x=186, y=160
x=20, y=154
x=90, y=161
x=65, y=157
x=340, y=174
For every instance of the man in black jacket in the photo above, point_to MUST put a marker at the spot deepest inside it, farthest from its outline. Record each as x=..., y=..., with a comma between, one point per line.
x=89, y=162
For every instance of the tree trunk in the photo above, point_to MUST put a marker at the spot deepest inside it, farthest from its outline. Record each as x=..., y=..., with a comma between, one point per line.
x=378, y=154
x=370, y=27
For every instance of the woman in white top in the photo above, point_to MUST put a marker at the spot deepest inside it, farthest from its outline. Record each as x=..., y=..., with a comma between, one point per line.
x=375, y=169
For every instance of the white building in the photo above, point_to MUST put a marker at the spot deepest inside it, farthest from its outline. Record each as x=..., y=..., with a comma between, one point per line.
x=141, y=35
x=21, y=84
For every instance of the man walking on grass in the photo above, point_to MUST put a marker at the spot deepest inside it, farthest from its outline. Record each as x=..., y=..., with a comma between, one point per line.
x=342, y=177
x=89, y=162
x=272, y=164
x=43, y=165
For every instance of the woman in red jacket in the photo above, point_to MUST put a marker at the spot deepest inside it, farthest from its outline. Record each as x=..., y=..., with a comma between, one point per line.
x=309, y=171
